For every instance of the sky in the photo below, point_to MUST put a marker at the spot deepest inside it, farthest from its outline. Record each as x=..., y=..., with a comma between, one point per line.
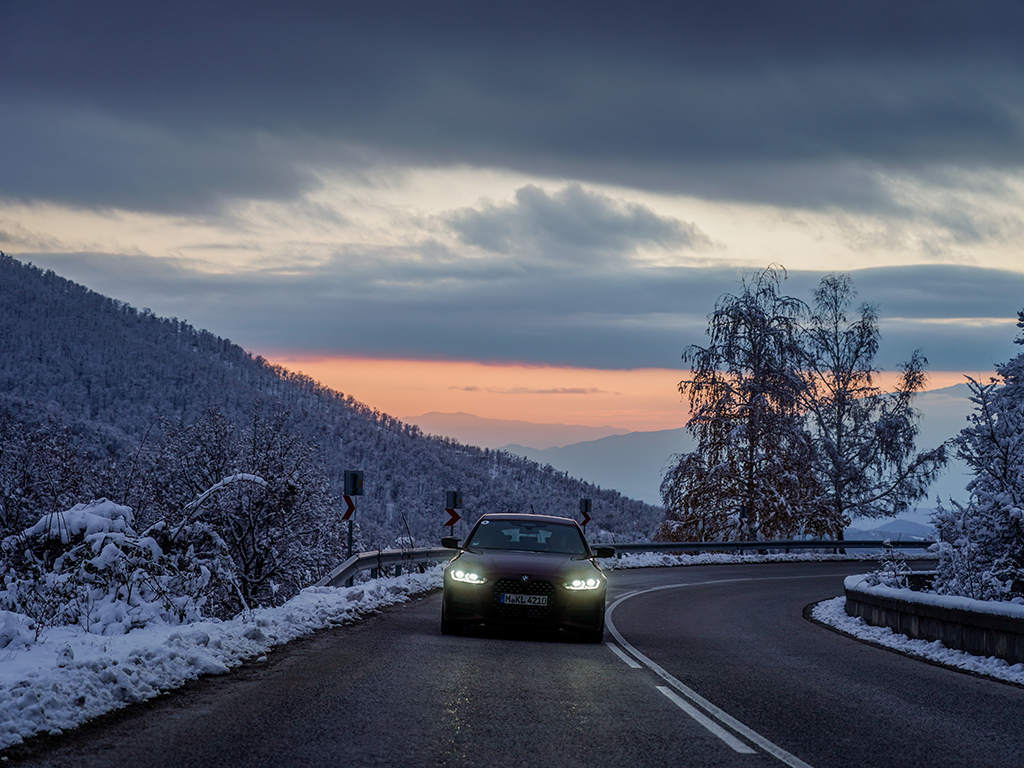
x=520, y=210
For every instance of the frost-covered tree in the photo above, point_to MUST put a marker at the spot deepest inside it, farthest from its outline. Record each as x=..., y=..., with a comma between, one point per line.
x=43, y=467
x=752, y=463
x=266, y=536
x=982, y=541
x=865, y=462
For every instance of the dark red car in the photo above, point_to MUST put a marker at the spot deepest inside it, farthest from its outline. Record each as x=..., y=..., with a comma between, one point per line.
x=528, y=571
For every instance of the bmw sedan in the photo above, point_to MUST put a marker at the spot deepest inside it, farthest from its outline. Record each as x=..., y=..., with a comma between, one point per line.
x=527, y=571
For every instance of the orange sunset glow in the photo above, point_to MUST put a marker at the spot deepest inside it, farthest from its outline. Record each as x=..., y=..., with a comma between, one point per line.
x=639, y=400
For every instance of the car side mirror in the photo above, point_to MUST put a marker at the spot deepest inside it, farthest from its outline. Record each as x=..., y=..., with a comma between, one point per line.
x=450, y=542
x=604, y=551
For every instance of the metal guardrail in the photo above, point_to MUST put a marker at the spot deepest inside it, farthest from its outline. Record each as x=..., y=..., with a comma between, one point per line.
x=402, y=558
x=386, y=558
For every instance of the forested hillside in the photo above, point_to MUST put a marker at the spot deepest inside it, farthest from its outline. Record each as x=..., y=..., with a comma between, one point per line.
x=99, y=399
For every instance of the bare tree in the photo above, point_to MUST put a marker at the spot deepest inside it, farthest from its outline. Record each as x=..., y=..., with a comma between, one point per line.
x=753, y=454
x=865, y=462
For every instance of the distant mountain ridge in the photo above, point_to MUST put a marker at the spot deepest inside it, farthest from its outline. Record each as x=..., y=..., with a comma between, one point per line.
x=109, y=373
x=480, y=431
x=635, y=462
x=896, y=530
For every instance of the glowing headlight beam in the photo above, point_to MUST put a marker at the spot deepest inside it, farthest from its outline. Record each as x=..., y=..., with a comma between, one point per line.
x=577, y=585
x=466, y=577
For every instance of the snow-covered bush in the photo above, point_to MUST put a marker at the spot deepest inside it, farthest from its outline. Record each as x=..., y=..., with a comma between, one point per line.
x=16, y=630
x=88, y=566
x=252, y=502
x=981, y=547
x=892, y=571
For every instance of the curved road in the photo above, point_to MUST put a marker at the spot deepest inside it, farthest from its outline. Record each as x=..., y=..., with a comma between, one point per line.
x=703, y=666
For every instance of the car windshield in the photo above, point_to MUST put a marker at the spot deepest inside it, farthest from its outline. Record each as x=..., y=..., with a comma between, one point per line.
x=528, y=537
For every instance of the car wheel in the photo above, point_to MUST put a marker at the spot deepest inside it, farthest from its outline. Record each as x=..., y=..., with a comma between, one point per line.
x=449, y=627
x=594, y=635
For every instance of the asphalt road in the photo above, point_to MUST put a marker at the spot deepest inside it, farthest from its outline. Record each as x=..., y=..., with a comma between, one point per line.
x=723, y=670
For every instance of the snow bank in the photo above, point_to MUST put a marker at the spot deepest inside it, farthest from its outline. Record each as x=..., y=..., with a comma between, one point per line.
x=659, y=560
x=70, y=675
x=833, y=613
x=992, y=608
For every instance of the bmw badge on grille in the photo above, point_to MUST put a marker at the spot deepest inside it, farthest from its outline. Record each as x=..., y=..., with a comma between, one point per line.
x=524, y=578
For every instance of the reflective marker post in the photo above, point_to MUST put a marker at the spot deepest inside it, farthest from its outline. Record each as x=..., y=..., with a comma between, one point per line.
x=586, y=506
x=453, y=501
x=353, y=487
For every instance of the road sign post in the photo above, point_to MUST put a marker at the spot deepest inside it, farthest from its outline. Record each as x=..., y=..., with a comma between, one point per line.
x=453, y=501
x=586, y=506
x=353, y=487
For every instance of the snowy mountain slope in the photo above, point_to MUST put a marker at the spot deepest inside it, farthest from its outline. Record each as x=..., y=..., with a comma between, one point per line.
x=107, y=374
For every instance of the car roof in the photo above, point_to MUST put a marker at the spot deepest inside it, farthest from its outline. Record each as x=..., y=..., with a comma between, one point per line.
x=528, y=518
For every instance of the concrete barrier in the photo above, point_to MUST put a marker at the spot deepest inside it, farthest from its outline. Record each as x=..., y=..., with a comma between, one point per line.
x=974, y=626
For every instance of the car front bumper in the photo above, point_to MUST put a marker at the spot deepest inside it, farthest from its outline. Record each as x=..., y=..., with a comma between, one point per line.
x=476, y=604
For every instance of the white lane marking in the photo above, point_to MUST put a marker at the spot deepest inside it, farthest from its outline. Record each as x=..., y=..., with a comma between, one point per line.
x=622, y=655
x=707, y=722
x=751, y=735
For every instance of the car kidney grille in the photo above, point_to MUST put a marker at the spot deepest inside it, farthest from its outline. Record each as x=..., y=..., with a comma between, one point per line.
x=515, y=587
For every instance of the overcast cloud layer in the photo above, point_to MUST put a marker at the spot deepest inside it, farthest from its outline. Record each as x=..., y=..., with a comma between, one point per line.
x=607, y=319
x=167, y=106
x=910, y=113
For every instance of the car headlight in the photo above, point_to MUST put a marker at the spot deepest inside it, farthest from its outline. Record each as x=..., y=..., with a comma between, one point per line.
x=577, y=585
x=467, y=577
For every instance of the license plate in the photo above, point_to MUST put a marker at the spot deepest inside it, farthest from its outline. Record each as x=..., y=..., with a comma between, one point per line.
x=508, y=599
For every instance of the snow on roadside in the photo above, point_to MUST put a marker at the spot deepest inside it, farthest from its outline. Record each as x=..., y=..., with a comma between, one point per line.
x=71, y=676
x=660, y=560
x=833, y=613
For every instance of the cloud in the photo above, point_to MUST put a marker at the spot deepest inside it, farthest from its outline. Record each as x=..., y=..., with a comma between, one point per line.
x=534, y=391
x=89, y=159
x=962, y=318
x=573, y=225
x=176, y=106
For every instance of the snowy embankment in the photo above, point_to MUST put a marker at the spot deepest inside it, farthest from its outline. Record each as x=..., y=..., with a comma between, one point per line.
x=658, y=560
x=69, y=675
x=833, y=613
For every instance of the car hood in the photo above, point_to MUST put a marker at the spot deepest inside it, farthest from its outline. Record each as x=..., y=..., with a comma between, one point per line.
x=539, y=565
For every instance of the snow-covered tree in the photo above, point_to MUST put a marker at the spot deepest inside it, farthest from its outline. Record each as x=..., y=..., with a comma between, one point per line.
x=982, y=541
x=87, y=566
x=693, y=504
x=865, y=462
x=43, y=467
x=274, y=531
